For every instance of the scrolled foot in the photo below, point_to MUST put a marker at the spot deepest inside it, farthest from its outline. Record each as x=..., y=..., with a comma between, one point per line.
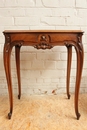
x=69, y=96
x=18, y=96
x=78, y=116
x=9, y=115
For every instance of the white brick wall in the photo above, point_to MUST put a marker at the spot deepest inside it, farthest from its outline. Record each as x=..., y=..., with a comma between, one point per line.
x=43, y=72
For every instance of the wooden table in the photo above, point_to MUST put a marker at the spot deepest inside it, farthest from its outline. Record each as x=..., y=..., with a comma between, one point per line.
x=43, y=39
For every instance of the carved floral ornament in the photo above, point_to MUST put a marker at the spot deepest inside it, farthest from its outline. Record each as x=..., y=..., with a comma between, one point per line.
x=43, y=41
x=43, y=46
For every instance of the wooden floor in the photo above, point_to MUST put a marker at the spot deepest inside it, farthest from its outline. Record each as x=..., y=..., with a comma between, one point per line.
x=43, y=113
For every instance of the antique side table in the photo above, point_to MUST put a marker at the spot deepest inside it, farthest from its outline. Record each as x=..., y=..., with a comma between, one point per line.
x=43, y=39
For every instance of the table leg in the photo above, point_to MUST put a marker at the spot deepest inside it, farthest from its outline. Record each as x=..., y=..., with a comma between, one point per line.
x=69, y=58
x=7, y=56
x=17, y=57
x=80, y=57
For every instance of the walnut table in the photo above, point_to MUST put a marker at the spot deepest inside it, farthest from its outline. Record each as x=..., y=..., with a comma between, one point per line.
x=43, y=39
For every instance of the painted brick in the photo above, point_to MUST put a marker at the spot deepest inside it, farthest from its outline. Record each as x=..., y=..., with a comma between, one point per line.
x=63, y=56
x=39, y=80
x=26, y=21
x=85, y=64
x=50, y=64
x=73, y=72
x=1, y=41
x=10, y=3
x=28, y=56
x=48, y=56
x=50, y=3
x=38, y=3
x=81, y=13
x=59, y=49
x=16, y=28
x=26, y=3
x=84, y=73
x=47, y=80
x=43, y=71
x=2, y=73
x=1, y=50
x=2, y=3
x=37, y=65
x=53, y=20
x=12, y=12
x=80, y=4
x=1, y=30
x=3, y=91
x=52, y=73
x=84, y=39
x=76, y=21
x=1, y=65
x=55, y=80
x=85, y=56
x=84, y=30
x=26, y=81
x=13, y=65
x=31, y=51
x=40, y=27
x=61, y=65
x=4, y=21
x=30, y=73
x=25, y=65
x=19, y=3
x=62, y=80
x=74, y=56
x=63, y=12
x=74, y=64
x=68, y=27
x=38, y=11
x=67, y=4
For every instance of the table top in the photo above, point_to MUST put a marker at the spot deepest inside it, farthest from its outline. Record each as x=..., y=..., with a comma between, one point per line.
x=43, y=31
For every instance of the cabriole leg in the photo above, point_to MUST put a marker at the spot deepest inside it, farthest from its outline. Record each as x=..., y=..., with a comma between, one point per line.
x=7, y=55
x=69, y=58
x=17, y=58
x=80, y=57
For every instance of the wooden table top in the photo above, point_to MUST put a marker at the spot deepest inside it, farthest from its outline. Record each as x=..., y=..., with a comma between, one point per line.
x=43, y=31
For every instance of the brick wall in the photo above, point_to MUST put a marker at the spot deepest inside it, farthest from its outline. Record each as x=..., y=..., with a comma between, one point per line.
x=43, y=72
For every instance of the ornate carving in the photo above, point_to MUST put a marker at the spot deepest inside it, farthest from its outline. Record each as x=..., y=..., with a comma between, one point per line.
x=19, y=43
x=79, y=42
x=7, y=41
x=67, y=44
x=43, y=40
x=43, y=46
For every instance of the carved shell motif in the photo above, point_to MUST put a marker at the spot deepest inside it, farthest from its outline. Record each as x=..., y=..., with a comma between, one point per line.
x=43, y=41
